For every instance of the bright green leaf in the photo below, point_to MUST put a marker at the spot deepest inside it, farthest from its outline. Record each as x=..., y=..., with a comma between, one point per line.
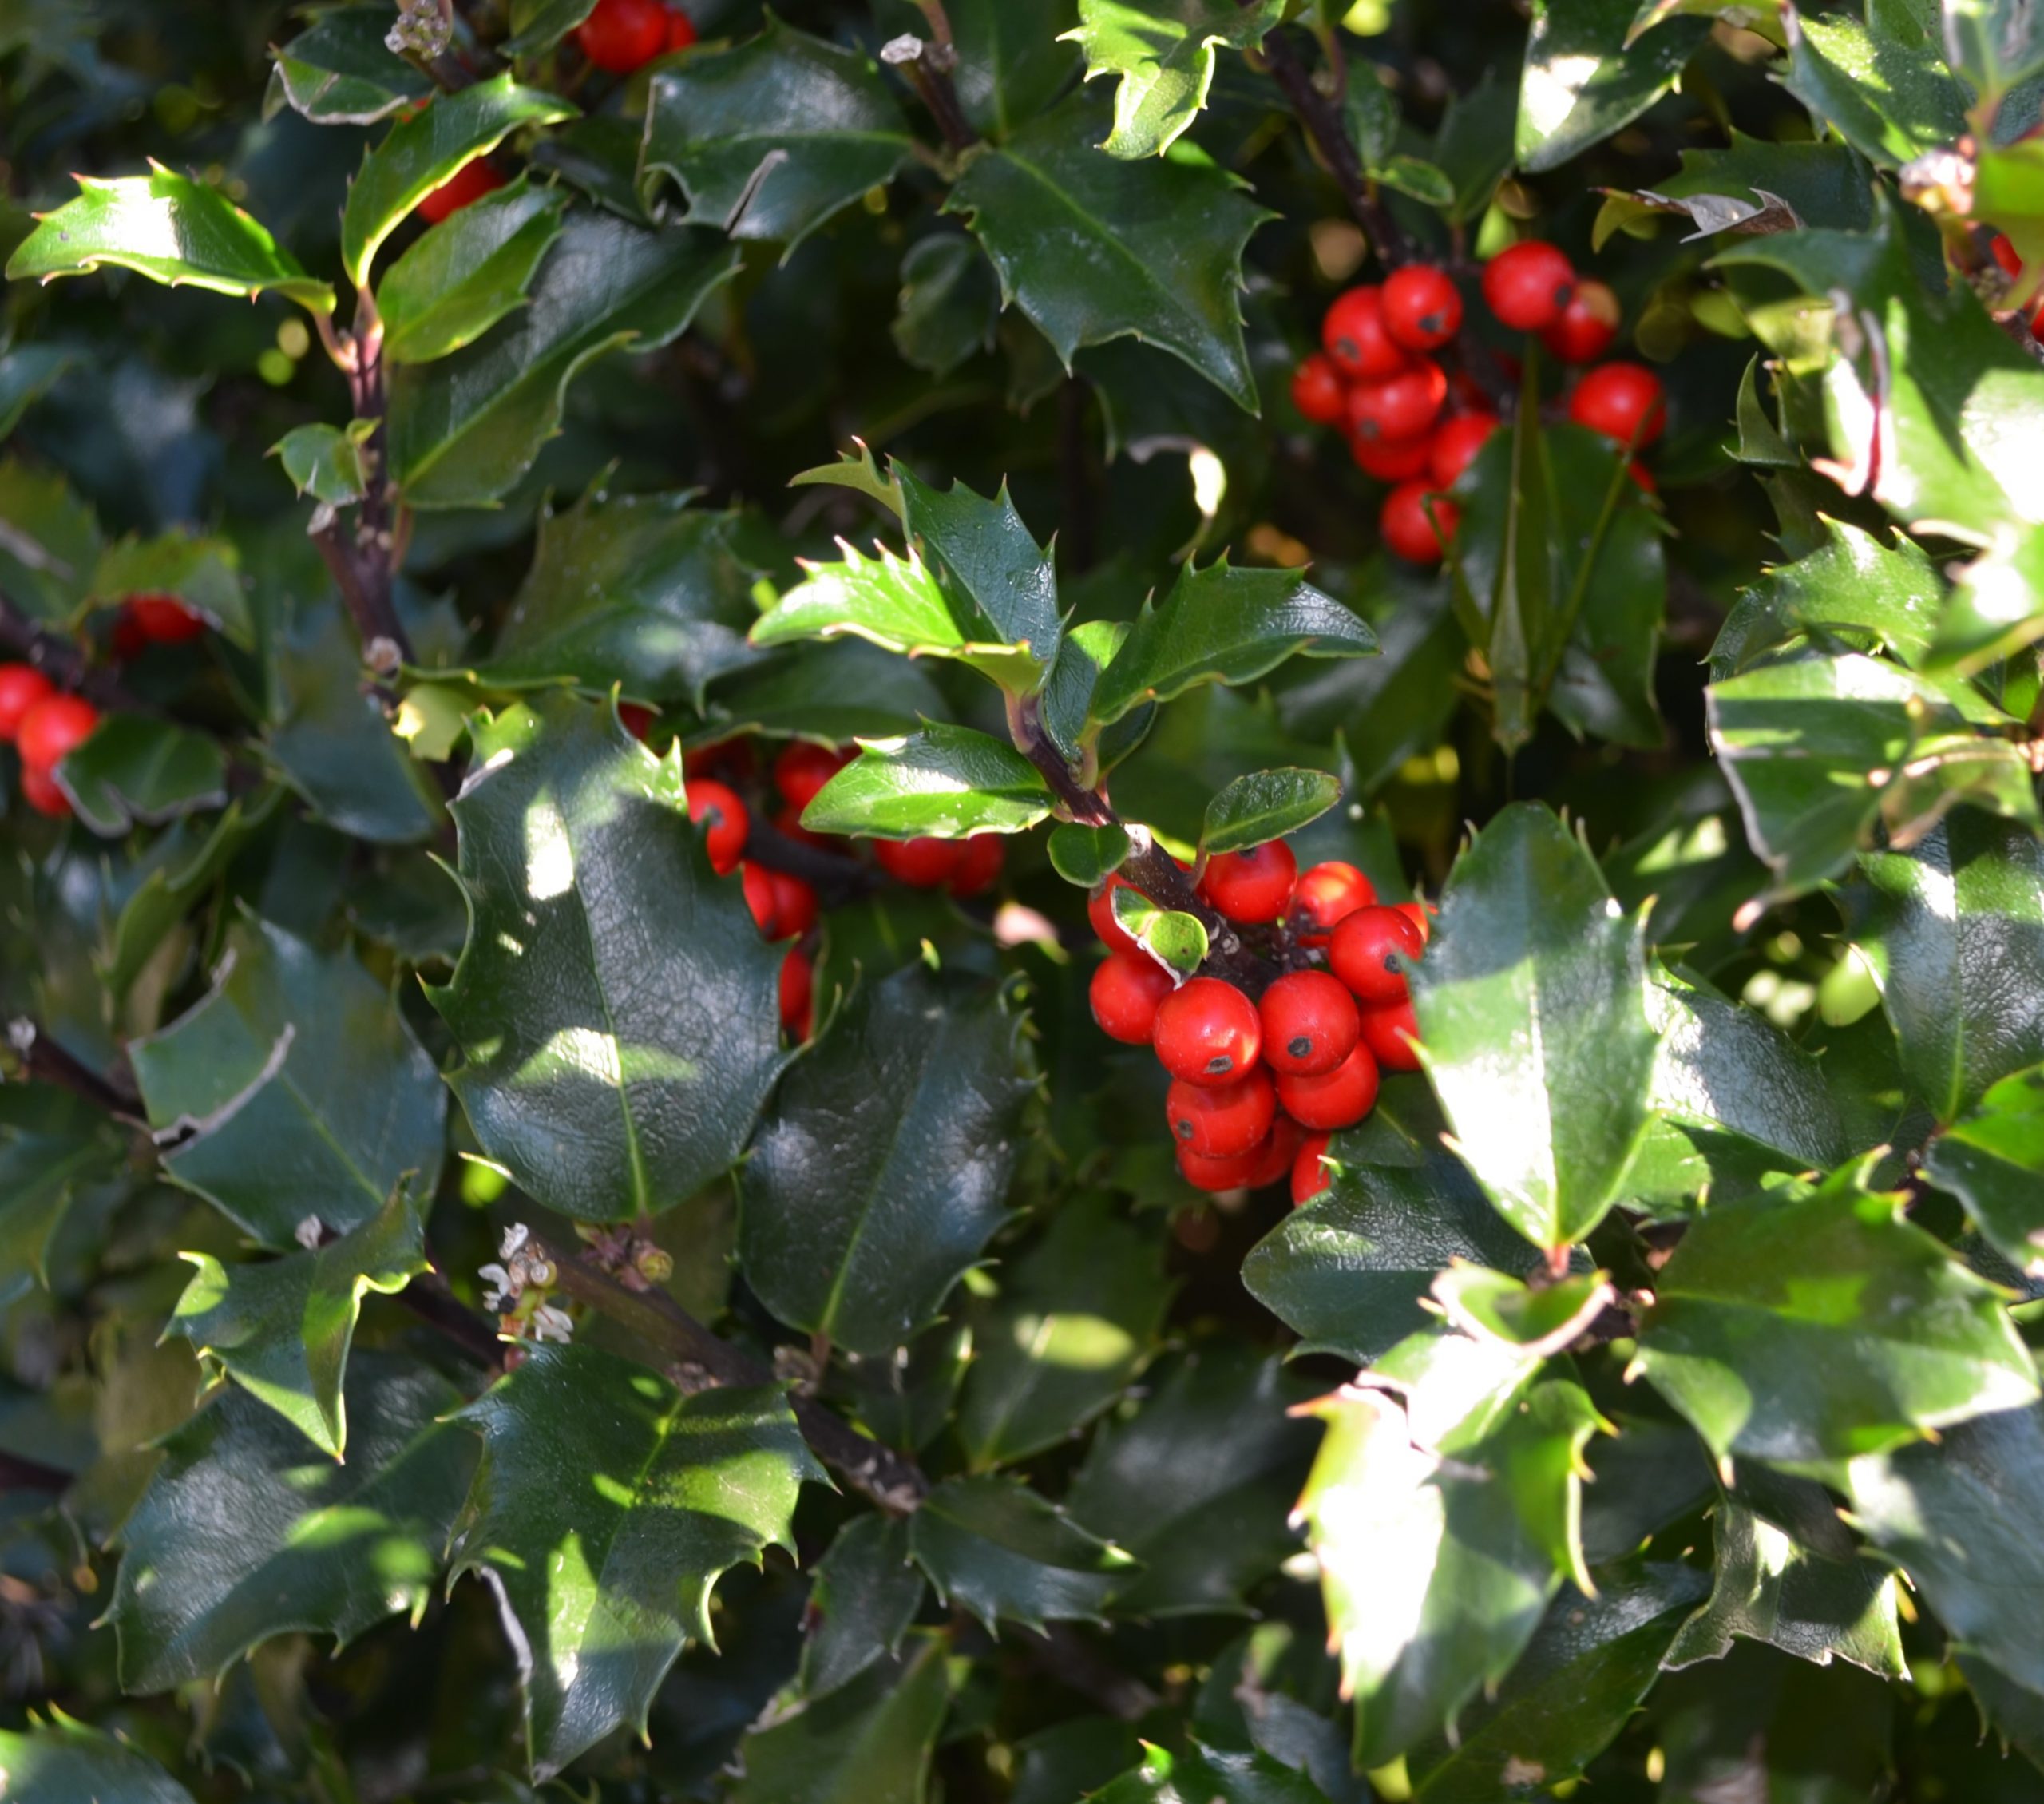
x=944, y=781
x=327, y=463
x=1263, y=805
x=339, y=71
x=467, y=272
x=1203, y=1775
x=1887, y=94
x=1176, y=941
x=1992, y=1159
x=1162, y=54
x=988, y=563
x=1870, y=593
x=1087, y=855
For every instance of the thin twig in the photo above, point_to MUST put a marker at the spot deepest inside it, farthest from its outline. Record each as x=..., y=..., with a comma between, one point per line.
x=44, y=1062
x=60, y=660
x=927, y=66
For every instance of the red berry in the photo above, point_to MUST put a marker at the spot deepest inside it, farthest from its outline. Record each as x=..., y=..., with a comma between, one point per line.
x=1406, y=528
x=1622, y=401
x=1422, y=307
x=979, y=867
x=1125, y=993
x=1207, y=1032
x=621, y=35
x=39, y=790
x=802, y=769
x=795, y=905
x=1252, y=886
x=467, y=185
x=636, y=719
x=1232, y=1173
x=164, y=619
x=1456, y=443
x=1389, y=1031
x=1309, y=1177
x=761, y=898
x=1319, y=391
x=1309, y=1023
x=1217, y=1121
x=1528, y=285
x=1361, y=951
x=1279, y=1151
x=727, y=822
x=1100, y=911
x=797, y=993
x=1335, y=1099
x=1587, y=325
x=1421, y=915
x=923, y=863
x=1642, y=478
x=1354, y=334
x=21, y=687
x=1392, y=460
x=2005, y=255
x=56, y=725
x=1401, y=406
x=1324, y=894
x=681, y=28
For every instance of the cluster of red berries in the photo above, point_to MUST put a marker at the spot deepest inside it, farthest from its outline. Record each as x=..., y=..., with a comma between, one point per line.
x=2005, y=255
x=1259, y=1087
x=1410, y=425
x=44, y=724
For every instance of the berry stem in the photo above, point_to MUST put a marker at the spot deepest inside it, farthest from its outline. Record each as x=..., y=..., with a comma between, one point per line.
x=42, y=1060
x=927, y=65
x=61, y=660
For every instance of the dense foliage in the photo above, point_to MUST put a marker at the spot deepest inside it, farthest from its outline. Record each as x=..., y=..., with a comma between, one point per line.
x=602, y=607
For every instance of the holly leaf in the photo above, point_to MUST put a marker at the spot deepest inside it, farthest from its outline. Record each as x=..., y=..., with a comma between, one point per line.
x=994, y=1548
x=943, y=782
x=947, y=305
x=868, y=1742
x=28, y=372
x=467, y=272
x=1087, y=855
x=602, y=1583
x=1195, y=1484
x=281, y=1329
x=1092, y=248
x=865, y=1595
x=640, y=591
x=327, y=463
x=1887, y=92
x=1825, y=1327
x=539, y=25
x=1177, y=941
x=615, y=1005
x=884, y=1168
x=172, y=230
x=55, y=1145
x=339, y=71
x=1198, y=1774
x=1867, y=591
x=838, y=692
x=1263, y=805
x=293, y=1090
x=768, y=141
x=204, y=573
x=1162, y=54
x=189, y=1600
x=986, y=562
x=1222, y=625
x=1013, y=62
x=1077, y=1317
x=465, y=428
x=49, y=543
x=1531, y=1009
x=1584, y=78
x=1992, y=1159
x=61, y=1761
x=137, y=770
x=1994, y=44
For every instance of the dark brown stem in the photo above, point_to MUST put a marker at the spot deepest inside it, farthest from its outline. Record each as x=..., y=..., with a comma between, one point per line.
x=362, y=556
x=428, y=1298
x=19, y=1474
x=835, y=878
x=61, y=660
x=927, y=66
x=1064, y=1654
x=44, y=1062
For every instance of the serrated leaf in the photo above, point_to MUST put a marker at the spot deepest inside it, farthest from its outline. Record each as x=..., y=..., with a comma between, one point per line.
x=1092, y=248
x=317, y=1547
x=1531, y=1007
x=643, y=592
x=62, y=1761
x=466, y=428
x=1584, y=80
x=987, y=562
x=1176, y=941
x=994, y=1548
x=608, y=1504
x=866, y=1594
x=884, y=1169
x=615, y=1005
x=281, y=1329
x=419, y=153
x=1992, y=1159
x=868, y=1743
x=172, y=230
x=293, y=1089
x=1223, y=626
x=327, y=463
x=944, y=781
x=1536, y=1320
x=1826, y=1327
x=769, y=139
x=339, y=71
x=1888, y=95
x=1855, y=588
x=1203, y=1775
x=1087, y=855
x=1196, y=1484
x=1263, y=805
x=466, y=273
x=138, y=770
x=1162, y=54
x=947, y=305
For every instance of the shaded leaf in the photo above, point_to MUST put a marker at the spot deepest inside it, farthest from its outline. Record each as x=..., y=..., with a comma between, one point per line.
x=1584, y=79
x=201, y=572
x=944, y=781
x=1204, y=1775
x=995, y=1548
x=62, y=1761
x=1162, y=54
x=866, y=1594
x=869, y=1742
x=339, y=71
x=27, y=373
x=49, y=542
x=137, y=770
x=947, y=305
x=466, y=273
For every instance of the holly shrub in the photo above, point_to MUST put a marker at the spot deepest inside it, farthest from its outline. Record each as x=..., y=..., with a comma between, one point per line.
x=1020, y=900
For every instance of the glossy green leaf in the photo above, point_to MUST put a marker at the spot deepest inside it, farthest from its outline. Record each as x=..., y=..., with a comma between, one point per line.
x=1953, y=930
x=172, y=230
x=466, y=428
x=1012, y=60
x=615, y=1005
x=949, y=302
x=1088, y=648
x=1531, y=1006
x=293, y=1090
x=987, y=562
x=868, y=1743
x=995, y=1549
x=61, y=1762
x=1856, y=588
x=643, y=592
x=339, y=71
x=1076, y=1319
x=1224, y=625
x=1092, y=248
x=1885, y=92
x=1177, y=941
x=866, y=1594
x=769, y=139
x=1826, y=1327
x=467, y=272
x=884, y=1169
x=1992, y=1159
x=1536, y=1319
x=316, y=1547
x=1204, y=1775
x=1197, y=1484
x=1584, y=80
x=281, y=1328
x=137, y=770
x=418, y=154
x=327, y=463
x=1265, y=805
x=1162, y=54
x=607, y=1505
x=839, y=691
x=943, y=782
x=1087, y=855
x=539, y=25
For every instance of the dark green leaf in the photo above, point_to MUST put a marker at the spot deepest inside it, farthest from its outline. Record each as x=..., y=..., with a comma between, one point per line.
x=1584, y=80
x=1087, y=855
x=339, y=71
x=62, y=1761
x=1872, y=594
x=1992, y=1159
x=1162, y=53
x=201, y=572
x=327, y=463
x=1473, y=144
x=1887, y=92
x=944, y=781
x=1826, y=1327
x=988, y=563
x=993, y=1547
x=137, y=770
x=947, y=305
x=866, y=1595
x=1092, y=248
x=1263, y=805
x=868, y=1743
x=294, y=1091
x=44, y=1158
x=884, y=1169
x=769, y=139
x=1648, y=1475
x=1088, y=648
x=1202, y=1775
x=539, y=25
x=315, y=1547
x=467, y=272
x=607, y=1505
x=27, y=373
x=615, y=1004
x=49, y=543
x=840, y=692
x=1013, y=61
